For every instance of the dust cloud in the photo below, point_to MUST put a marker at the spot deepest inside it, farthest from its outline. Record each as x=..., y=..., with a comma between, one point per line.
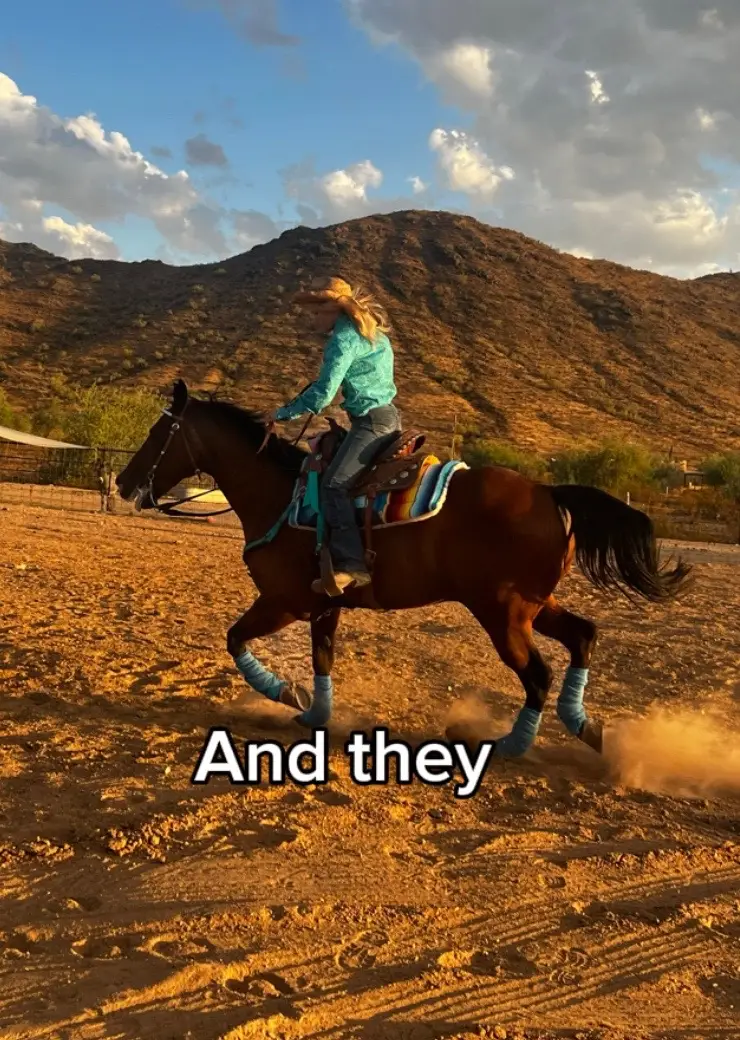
x=682, y=754
x=685, y=754
x=469, y=718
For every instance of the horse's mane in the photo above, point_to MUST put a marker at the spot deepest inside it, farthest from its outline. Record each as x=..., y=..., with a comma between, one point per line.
x=285, y=455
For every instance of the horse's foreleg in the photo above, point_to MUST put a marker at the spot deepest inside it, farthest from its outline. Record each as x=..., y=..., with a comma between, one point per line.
x=264, y=618
x=578, y=636
x=510, y=630
x=323, y=631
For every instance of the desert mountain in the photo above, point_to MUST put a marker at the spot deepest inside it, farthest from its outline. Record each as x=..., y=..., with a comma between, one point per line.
x=505, y=333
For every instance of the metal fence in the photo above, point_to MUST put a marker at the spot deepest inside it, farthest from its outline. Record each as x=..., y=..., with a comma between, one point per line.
x=85, y=469
x=84, y=480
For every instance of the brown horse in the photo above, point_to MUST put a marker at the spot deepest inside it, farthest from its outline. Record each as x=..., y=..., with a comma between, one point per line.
x=500, y=545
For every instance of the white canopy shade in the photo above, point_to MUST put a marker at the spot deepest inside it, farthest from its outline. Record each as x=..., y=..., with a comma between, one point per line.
x=17, y=437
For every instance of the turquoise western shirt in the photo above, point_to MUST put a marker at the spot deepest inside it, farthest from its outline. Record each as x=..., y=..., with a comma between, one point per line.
x=363, y=369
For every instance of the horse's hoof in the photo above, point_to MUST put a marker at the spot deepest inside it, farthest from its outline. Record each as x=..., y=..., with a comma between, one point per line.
x=593, y=735
x=296, y=696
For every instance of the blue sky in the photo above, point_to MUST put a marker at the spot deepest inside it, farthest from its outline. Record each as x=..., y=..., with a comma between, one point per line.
x=162, y=71
x=591, y=134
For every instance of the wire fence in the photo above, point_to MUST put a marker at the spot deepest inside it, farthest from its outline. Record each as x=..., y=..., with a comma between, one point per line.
x=83, y=469
x=84, y=480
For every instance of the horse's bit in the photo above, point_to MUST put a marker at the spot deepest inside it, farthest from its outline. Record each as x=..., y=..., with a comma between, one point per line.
x=178, y=423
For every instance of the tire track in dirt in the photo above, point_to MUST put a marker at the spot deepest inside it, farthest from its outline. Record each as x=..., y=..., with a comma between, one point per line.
x=557, y=897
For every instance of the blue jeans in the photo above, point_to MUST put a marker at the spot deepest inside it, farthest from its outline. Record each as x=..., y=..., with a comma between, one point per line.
x=367, y=437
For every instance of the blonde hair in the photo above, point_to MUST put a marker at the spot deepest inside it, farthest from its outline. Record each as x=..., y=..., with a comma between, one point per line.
x=367, y=314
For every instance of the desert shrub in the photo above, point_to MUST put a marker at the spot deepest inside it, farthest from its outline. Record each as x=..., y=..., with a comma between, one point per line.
x=723, y=471
x=98, y=416
x=10, y=416
x=500, y=453
x=666, y=475
x=614, y=466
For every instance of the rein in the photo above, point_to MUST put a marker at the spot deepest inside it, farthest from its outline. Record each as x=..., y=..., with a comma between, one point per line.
x=270, y=429
x=178, y=423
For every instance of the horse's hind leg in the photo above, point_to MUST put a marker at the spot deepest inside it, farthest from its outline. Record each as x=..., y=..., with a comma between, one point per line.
x=510, y=630
x=578, y=635
x=323, y=630
x=264, y=618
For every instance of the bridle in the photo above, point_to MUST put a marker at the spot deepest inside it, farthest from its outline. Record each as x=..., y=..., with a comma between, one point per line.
x=147, y=490
x=178, y=424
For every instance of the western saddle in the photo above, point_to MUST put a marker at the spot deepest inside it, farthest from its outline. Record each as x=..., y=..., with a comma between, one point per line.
x=395, y=468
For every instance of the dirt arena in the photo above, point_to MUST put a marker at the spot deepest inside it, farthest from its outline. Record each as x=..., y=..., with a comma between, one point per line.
x=574, y=896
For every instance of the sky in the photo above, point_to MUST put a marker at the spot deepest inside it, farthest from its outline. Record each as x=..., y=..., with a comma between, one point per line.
x=192, y=130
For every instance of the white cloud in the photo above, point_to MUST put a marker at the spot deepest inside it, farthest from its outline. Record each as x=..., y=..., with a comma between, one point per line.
x=60, y=178
x=466, y=166
x=711, y=20
x=332, y=197
x=466, y=67
x=598, y=94
x=418, y=186
x=345, y=188
x=678, y=235
x=637, y=133
x=57, y=236
x=250, y=228
x=76, y=166
x=78, y=240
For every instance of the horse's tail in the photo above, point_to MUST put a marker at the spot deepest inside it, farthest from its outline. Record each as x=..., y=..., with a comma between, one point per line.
x=616, y=546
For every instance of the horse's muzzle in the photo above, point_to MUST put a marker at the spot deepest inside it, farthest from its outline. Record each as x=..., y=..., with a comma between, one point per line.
x=126, y=494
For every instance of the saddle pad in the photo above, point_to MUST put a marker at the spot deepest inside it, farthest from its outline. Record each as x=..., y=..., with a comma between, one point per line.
x=422, y=500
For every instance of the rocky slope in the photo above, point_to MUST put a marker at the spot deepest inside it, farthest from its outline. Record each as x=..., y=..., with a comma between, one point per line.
x=505, y=333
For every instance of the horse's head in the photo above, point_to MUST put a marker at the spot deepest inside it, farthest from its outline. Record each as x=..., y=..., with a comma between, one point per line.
x=164, y=459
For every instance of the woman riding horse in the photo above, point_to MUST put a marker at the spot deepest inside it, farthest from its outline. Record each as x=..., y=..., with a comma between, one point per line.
x=358, y=358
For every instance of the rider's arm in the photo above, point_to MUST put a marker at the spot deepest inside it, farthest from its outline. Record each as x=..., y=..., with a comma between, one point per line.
x=338, y=356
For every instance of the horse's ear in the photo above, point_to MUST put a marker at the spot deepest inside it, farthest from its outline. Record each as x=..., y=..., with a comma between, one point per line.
x=179, y=395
